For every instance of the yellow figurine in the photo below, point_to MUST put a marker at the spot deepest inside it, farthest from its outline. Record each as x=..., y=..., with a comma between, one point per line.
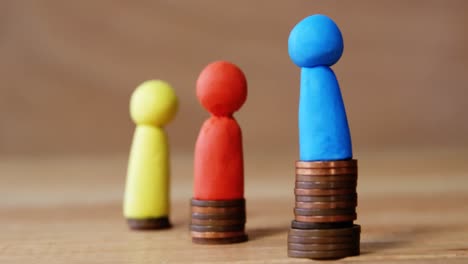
x=146, y=201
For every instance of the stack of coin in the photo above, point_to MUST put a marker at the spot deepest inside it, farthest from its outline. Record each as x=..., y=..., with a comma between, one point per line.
x=324, y=211
x=324, y=243
x=218, y=222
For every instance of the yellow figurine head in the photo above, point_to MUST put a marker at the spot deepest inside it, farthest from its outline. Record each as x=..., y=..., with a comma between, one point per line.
x=153, y=103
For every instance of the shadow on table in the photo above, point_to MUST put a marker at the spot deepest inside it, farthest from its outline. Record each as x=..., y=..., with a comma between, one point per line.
x=369, y=247
x=259, y=233
x=397, y=239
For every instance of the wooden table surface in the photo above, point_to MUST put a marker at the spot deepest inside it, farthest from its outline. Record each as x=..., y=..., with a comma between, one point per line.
x=413, y=208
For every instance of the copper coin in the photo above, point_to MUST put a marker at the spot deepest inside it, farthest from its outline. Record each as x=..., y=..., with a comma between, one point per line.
x=326, y=205
x=216, y=241
x=305, y=225
x=214, y=222
x=220, y=203
x=217, y=210
x=326, y=172
x=323, y=192
x=149, y=223
x=203, y=228
x=327, y=164
x=217, y=234
x=320, y=247
x=322, y=240
x=326, y=185
x=330, y=254
x=240, y=215
x=348, y=231
x=331, y=198
x=325, y=219
x=331, y=178
x=324, y=212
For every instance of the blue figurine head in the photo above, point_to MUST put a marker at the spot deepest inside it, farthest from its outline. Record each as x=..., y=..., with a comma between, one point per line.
x=315, y=41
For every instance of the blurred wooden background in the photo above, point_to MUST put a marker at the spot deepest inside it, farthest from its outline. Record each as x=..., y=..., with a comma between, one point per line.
x=68, y=68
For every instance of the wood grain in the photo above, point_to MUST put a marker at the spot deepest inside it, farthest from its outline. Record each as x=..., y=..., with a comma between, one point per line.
x=412, y=207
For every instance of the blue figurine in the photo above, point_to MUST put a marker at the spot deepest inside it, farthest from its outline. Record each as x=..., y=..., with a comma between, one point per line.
x=315, y=44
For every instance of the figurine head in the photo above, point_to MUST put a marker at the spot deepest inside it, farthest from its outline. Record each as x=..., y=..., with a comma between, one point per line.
x=315, y=41
x=153, y=103
x=222, y=88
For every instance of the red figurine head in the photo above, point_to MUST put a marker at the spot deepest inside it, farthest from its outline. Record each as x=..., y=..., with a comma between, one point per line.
x=222, y=88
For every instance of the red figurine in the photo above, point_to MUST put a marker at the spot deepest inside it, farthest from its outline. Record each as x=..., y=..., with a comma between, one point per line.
x=219, y=165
